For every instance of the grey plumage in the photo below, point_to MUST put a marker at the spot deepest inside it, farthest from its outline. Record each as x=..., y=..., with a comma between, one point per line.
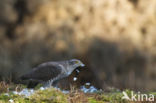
x=49, y=72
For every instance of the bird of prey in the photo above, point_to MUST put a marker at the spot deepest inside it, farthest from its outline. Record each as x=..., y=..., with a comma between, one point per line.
x=49, y=72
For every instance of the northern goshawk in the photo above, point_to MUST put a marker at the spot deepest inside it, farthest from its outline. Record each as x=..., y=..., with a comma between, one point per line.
x=49, y=72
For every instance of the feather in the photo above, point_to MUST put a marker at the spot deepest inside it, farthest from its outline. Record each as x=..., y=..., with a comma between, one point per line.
x=50, y=72
x=44, y=72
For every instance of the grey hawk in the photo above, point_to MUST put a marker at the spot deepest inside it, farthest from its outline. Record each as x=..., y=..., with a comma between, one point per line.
x=49, y=72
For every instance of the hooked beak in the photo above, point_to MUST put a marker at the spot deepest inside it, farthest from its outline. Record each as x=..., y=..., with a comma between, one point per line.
x=82, y=65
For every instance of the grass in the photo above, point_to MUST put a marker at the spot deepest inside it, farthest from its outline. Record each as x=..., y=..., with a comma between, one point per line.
x=52, y=95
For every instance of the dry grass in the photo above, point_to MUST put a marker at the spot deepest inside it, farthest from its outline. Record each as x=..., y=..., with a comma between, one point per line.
x=7, y=87
x=4, y=87
x=77, y=97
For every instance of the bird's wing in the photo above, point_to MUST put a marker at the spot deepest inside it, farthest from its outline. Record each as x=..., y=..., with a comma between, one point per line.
x=44, y=72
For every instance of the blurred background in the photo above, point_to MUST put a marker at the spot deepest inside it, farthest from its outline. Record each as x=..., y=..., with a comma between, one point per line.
x=116, y=39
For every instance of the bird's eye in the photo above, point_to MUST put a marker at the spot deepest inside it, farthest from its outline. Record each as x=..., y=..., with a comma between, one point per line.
x=73, y=62
x=76, y=62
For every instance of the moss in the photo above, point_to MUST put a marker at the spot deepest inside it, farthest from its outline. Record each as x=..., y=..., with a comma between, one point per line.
x=38, y=86
x=52, y=95
x=93, y=100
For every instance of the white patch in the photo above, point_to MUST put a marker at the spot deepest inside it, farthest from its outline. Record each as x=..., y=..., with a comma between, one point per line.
x=77, y=71
x=87, y=83
x=15, y=92
x=11, y=101
x=91, y=89
x=74, y=79
x=65, y=91
x=68, y=73
x=6, y=94
x=42, y=88
x=26, y=92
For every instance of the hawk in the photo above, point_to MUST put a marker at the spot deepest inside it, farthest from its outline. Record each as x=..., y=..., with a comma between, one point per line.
x=49, y=72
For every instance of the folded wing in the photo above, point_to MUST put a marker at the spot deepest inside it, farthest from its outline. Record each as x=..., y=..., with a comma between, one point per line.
x=43, y=72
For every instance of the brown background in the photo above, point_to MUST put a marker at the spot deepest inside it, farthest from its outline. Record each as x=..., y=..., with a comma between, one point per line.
x=116, y=39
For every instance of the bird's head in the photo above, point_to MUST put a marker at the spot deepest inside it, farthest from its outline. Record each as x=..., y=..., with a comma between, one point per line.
x=75, y=63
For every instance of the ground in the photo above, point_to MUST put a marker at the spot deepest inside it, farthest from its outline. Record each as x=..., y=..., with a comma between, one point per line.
x=9, y=94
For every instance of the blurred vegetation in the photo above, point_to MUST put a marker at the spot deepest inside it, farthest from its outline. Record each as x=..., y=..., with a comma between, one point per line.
x=116, y=39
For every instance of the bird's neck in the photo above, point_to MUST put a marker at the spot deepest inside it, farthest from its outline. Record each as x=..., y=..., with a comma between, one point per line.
x=70, y=69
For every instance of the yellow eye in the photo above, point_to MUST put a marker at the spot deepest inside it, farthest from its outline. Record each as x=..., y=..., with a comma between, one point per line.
x=76, y=62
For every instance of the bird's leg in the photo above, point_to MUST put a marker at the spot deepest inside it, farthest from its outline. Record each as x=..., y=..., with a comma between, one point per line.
x=55, y=83
x=48, y=83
